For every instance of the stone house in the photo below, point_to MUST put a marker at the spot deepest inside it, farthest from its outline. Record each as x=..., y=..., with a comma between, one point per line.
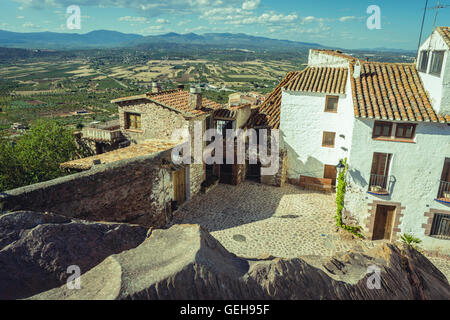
x=157, y=115
x=390, y=120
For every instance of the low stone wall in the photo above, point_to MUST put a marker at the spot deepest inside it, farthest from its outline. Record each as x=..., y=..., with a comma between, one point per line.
x=279, y=179
x=137, y=190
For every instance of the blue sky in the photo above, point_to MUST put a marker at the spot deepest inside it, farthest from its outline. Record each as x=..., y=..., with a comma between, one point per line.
x=339, y=23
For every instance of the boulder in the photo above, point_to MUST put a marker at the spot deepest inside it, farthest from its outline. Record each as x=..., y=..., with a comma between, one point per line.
x=37, y=248
x=186, y=262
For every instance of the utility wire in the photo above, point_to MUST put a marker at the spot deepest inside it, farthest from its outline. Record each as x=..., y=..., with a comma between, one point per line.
x=421, y=28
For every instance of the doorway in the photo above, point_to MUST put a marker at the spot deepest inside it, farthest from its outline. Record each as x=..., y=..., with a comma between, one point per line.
x=384, y=220
x=253, y=172
x=179, y=186
x=330, y=172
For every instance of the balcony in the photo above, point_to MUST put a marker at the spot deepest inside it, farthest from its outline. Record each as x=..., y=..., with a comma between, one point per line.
x=444, y=192
x=108, y=132
x=379, y=185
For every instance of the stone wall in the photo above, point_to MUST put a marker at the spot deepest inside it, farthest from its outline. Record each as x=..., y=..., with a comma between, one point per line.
x=134, y=191
x=279, y=179
x=156, y=122
x=197, y=174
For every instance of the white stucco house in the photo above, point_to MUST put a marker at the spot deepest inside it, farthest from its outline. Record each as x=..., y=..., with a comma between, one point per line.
x=392, y=123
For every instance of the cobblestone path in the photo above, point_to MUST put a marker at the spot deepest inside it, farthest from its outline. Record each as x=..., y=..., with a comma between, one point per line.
x=254, y=219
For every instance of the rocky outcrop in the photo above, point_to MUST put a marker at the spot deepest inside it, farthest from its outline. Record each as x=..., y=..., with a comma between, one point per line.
x=37, y=248
x=186, y=262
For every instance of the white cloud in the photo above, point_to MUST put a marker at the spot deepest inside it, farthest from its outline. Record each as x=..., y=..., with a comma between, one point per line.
x=20, y=17
x=251, y=4
x=161, y=21
x=133, y=19
x=347, y=18
x=269, y=18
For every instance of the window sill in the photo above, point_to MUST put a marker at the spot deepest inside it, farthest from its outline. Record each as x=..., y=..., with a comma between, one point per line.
x=330, y=111
x=378, y=193
x=435, y=74
x=443, y=200
x=325, y=146
x=394, y=140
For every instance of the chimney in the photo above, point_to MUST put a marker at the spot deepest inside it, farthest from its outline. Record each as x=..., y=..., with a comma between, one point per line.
x=195, y=98
x=357, y=70
x=156, y=88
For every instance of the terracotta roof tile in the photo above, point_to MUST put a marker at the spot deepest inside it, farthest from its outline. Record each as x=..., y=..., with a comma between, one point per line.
x=391, y=91
x=174, y=99
x=320, y=80
x=225, y=114
x=268, y=114
x=445, y=33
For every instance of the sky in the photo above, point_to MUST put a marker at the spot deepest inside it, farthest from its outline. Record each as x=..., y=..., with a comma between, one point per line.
x=336, y=23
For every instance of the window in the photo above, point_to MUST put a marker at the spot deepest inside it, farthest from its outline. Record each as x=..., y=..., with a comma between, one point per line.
x=423, y=64
x=379, y=174
x=405, y=131
x=444, y=184
x=331, y=103
x=436, y=63
x=133, y=121
x=382, y=129
x=328, y=139
x=223, y=125
x=441, y=226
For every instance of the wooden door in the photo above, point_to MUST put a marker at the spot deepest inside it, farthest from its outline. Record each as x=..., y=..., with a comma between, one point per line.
x=330, y=172
x=179, y=186
x=384, y=220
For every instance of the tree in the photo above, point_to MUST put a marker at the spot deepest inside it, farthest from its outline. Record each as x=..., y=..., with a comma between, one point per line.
x=36, y=156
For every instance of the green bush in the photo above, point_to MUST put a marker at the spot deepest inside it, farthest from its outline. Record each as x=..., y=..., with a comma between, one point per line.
x=410, y=240
x=340, y=196
x=36, y=156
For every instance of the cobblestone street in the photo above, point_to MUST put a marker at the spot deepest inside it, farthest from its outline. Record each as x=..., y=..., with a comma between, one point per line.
x=254, y=219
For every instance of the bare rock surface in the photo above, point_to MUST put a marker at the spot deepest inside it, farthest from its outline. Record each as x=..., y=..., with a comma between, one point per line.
x=186, y=262
x=37, y=248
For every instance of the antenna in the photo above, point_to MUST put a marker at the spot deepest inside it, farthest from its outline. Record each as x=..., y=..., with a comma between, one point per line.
x=437, y=7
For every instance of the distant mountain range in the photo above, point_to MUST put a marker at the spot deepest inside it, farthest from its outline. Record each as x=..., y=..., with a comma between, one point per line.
x=53, y=40
x=113, y=39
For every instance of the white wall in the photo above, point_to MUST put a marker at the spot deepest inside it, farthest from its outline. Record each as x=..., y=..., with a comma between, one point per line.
x=321, y=59
x=417, y=169
x=302, y=123
x=438, y=88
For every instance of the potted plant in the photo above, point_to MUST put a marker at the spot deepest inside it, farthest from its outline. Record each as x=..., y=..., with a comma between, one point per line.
x=375, y=188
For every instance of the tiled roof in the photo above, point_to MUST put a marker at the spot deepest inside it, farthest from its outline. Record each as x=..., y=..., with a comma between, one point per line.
x=174, y=99
x=133, y=151
x=178, y=99
x=320, y=80
x=391, y=91
x=225, y=114
x=269, y=112
x=445, y=33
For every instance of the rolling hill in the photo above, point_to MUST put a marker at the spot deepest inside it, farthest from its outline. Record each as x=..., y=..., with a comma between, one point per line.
x=111, y=39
